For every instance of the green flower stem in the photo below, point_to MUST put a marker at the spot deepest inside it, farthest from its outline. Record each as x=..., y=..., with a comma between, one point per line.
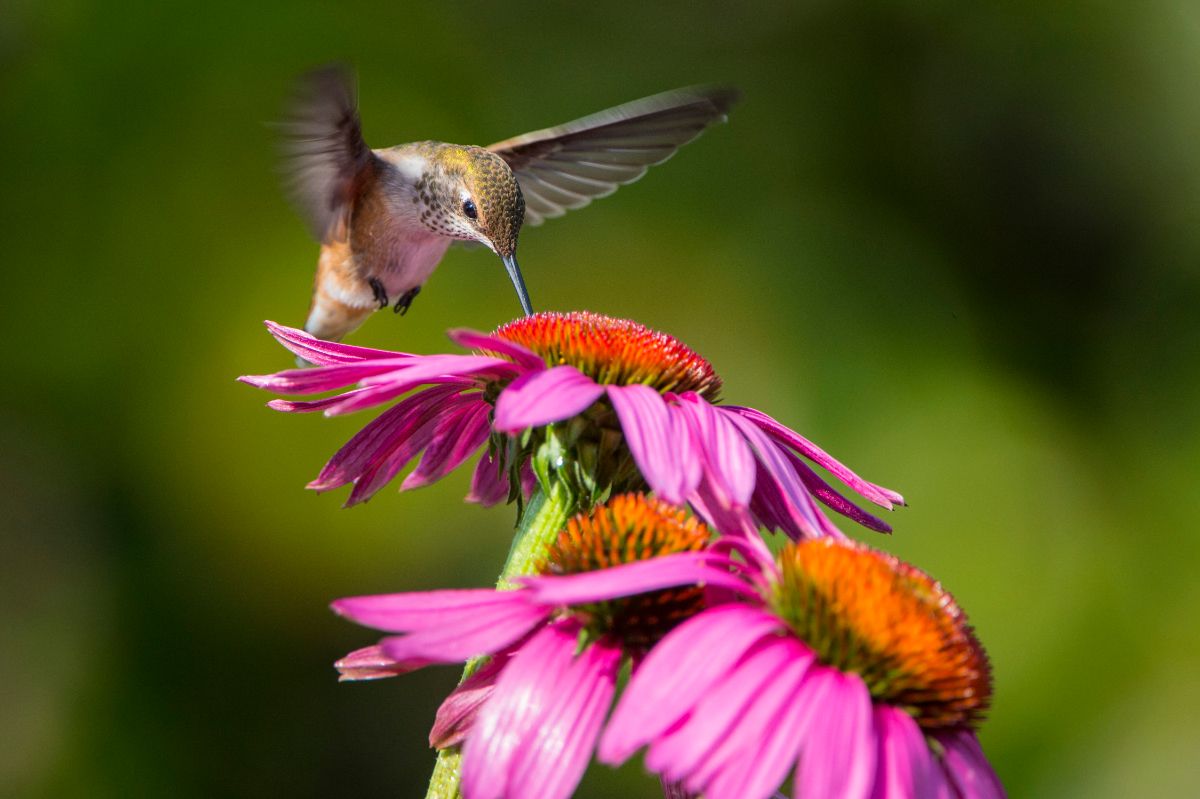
x=544, y=516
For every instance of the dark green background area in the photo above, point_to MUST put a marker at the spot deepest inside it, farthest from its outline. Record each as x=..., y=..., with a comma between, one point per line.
x=955, y=244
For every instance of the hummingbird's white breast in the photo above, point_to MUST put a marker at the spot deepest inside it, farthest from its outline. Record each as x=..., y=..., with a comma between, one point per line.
x=400, y=248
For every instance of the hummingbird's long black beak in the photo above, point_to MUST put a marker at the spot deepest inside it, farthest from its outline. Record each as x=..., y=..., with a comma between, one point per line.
x=514, y=273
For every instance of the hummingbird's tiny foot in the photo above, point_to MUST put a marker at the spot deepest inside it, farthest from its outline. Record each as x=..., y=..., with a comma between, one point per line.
x=401, y=306
x=381, y=296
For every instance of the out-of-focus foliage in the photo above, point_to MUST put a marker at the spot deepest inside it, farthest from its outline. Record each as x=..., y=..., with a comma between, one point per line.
x=957, y=244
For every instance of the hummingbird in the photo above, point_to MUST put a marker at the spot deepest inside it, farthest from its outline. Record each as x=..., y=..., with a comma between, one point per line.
x=385, y=217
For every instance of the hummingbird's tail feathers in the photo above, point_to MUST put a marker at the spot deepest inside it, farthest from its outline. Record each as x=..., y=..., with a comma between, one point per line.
x=568, y=166
x=331, y=319
x=340, y=301
x=324, y=153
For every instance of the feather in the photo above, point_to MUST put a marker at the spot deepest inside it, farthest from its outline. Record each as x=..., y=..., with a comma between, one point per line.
x=568, y=166
x=324, y=154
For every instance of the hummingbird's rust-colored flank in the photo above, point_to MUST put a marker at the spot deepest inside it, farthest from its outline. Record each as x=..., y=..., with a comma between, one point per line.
x=386, y=217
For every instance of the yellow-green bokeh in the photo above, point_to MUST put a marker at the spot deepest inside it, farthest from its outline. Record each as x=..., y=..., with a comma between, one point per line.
x=956, y=244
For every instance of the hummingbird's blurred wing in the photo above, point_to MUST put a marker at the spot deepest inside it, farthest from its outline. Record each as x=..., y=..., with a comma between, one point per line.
x=568, y=166
x=323, y=149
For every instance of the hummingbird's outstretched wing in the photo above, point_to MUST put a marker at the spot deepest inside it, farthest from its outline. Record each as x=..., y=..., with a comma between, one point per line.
x=323, y=149
x=570, y=165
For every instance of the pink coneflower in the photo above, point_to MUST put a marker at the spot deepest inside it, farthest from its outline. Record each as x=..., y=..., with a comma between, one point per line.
x=611, y=586
x=861, y=675
x=629, y=407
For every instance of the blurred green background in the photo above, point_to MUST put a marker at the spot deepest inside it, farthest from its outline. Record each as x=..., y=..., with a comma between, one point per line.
x=956, y=244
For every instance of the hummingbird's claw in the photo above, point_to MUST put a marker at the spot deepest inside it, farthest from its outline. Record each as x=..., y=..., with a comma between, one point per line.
x=381, y=296
x=401, y=306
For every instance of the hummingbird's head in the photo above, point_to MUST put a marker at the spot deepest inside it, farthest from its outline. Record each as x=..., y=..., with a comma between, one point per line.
x=482, y=202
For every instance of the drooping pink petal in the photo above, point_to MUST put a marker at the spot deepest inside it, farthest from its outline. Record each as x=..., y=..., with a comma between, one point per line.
x=454, y=440
x=659, y=443
x=372, y=663
x=832, y=499
x=550, y=762
x=777, y=466
x=371, y=396
x=689, y=745
x=489, y=486
x=726, y=455
x=463, y=370
x=940, y=786
x=381, y=436
x=474, y=340
x=528, y=480
x=324, y=378
x=840, y=748
x=770, y=508
x=759, y=751
x=776, y=512
x=487, y=631
x=539, y=398
x=311, y=406
x=660, y=693
x=757, y=555
x=627, y=579
x=324, y=353
x=675, y=790
x=392, y=459
x=422, y=610
x=906, y=766
x=718, y=513
x=457, y=713
x=884, y=497
x=517, y=706
x=424, y=367
x=967, y=767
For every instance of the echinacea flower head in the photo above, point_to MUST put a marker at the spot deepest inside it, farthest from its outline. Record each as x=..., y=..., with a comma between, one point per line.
x=616, y=352
x=605, y=405
x=616, y=581
x=851, y=668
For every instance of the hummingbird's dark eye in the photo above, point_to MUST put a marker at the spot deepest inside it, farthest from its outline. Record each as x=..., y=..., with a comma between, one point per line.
x=470, y=210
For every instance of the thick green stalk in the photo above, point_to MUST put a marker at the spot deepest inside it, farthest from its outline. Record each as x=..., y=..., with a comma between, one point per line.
x=545, y=515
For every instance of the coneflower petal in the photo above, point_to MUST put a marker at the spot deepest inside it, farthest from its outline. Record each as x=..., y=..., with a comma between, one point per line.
x=474, y=340
x=321, y=352
x=538, y=398
x=726, y=456
x=761, y=748
x=777, y=466
x=456, y=438
x=666, y=571
x=906, y=767
x=654, y=441
x=371, y=663
x=422, y=610
x=685, y=748
x=832, y=499
x=487, y=631
x=967, y=766
x=381, y=436
x=324, y=378
x=551, y=762
x=661, y=693
x=517, y=705
x=311, y=406
x=489, y=486
x=840, y=749
x=884, y=497
x=456, y=715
